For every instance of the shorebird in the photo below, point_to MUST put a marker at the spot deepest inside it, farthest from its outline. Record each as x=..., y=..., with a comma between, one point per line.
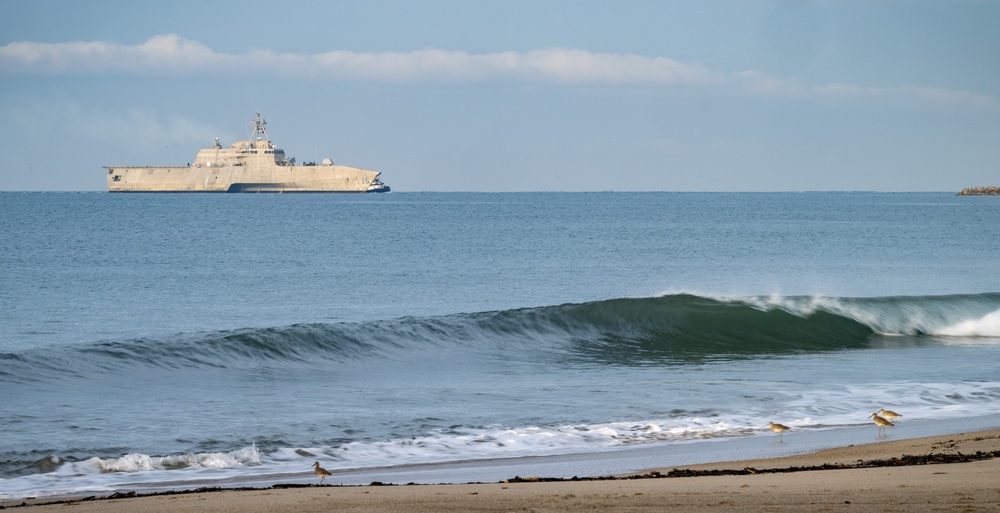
x=888, y=414
x=321, y=472
x=778, y=428
x=880, y=422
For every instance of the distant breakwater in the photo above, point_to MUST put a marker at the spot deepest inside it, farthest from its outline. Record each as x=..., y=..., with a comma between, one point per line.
x=989, y=190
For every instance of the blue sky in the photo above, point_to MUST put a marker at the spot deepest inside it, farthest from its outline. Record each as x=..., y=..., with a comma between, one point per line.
x=514, y=95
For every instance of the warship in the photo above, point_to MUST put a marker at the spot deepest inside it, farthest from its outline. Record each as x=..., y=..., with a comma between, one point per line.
x=251, y=165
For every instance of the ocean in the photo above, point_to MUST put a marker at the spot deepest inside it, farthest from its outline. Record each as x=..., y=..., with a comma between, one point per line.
x=173, y=341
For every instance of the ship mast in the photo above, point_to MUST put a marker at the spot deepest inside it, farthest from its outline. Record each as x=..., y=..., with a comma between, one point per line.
x=259, y=129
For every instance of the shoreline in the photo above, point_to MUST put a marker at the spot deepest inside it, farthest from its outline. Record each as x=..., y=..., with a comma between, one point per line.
x=870, y=477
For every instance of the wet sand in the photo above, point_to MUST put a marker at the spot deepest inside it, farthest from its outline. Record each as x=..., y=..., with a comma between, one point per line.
x=874, y=478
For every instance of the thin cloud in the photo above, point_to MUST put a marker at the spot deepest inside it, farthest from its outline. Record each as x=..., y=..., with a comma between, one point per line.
x=173, y=55
x=933, y=95
x=142, y=128
x=567, y=66
x=176, y=55
x=158, y=55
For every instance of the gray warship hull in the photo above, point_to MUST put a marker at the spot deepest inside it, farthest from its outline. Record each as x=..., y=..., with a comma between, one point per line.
x=253, y=165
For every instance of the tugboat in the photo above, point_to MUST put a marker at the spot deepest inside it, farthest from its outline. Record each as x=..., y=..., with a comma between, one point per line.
x=378, y=186
x=251, y=165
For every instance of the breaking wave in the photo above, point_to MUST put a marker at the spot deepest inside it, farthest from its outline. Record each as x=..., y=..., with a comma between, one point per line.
x=668, y=329
x=136, y=462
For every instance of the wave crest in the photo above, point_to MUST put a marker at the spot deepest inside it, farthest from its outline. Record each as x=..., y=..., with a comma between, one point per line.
x=142, y=462
x=673, y=328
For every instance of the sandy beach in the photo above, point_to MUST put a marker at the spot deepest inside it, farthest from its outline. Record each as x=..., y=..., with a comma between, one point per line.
x=875, y=479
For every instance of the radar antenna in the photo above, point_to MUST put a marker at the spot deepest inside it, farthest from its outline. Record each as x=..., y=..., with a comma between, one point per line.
x=259, y=128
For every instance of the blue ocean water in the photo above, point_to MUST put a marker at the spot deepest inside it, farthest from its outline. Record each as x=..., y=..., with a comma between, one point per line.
x=156, y=341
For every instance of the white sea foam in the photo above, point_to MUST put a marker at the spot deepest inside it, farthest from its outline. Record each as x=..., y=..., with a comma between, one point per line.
x=842, y=407
x=899, y=317
x=142, y=462
x=809, y=411
x=985, y=326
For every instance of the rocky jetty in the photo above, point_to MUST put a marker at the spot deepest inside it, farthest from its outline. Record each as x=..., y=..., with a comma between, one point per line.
x=988, y=190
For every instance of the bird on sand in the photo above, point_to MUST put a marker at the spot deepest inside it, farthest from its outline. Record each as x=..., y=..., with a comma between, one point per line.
x=778, y=428
x=321, y=472
x=888, y=414
x=880, y=422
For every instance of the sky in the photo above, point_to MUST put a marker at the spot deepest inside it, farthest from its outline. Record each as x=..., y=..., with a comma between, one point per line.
x=498, y=96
